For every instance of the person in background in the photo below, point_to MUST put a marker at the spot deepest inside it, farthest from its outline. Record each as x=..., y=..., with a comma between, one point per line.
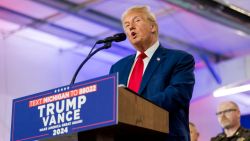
x=163, y=76
x=194, y=134
x=228, y=114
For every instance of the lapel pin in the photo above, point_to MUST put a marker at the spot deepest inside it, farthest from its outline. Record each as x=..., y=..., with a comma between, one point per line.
x=158, y=59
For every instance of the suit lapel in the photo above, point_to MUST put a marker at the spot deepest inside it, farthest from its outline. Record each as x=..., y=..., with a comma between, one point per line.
x=152, y=65
x=126, y=70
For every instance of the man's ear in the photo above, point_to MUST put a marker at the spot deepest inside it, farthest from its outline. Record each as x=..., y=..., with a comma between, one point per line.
x=238, y=113
x=153, y=28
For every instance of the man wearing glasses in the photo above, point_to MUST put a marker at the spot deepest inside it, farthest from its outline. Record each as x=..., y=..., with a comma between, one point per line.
x=228, y=115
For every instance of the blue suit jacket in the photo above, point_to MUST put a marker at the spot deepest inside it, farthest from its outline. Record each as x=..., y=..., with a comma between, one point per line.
x=168, y=82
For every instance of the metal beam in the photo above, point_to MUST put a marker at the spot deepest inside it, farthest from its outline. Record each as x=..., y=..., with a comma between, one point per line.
x=83, y=12
x=216, y=12
x=192, y=48
x=45, y=25
x=113, y=23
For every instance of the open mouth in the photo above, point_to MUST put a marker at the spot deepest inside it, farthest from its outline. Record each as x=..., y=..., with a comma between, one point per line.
x=133, y=34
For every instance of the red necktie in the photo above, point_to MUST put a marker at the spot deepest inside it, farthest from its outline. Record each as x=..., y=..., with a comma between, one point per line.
x=136, y=75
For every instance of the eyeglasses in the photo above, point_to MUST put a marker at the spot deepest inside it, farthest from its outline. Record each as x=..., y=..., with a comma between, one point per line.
x=225, y=112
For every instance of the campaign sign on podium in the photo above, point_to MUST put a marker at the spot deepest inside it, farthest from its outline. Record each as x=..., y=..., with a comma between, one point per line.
x=69, y=109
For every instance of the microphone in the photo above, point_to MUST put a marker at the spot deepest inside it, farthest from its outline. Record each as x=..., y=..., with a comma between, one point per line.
x=117, y=38
x=108, y=42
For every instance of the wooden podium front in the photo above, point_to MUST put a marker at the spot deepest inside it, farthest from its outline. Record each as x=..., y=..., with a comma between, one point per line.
x=138, y=119
x=137, y=111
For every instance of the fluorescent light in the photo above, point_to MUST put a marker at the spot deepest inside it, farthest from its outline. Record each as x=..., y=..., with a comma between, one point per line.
x=236, y=8
x=102, y=55
x=230, y=91
x=55, y=41
x=46, y=38
x=6, y=26
x=30, y=8
x=241, y=33
x=110, y=57
x=83, y=26
x=61, y=43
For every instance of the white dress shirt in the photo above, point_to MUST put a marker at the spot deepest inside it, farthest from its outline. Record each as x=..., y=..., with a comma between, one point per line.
x=149, y=52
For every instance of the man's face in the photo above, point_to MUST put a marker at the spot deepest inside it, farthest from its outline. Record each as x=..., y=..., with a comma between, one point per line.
x=138, y=28
x=193, y=133
x=228, y=115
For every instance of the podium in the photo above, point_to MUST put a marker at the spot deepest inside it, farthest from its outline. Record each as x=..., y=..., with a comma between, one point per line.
x=133, y=117
x=137, y=118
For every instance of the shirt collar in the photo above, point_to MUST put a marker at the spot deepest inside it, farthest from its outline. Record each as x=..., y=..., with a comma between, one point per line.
x=236, y=133
x=150, y=51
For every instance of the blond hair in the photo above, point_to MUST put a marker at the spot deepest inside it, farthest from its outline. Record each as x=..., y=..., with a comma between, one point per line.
x=144, y=10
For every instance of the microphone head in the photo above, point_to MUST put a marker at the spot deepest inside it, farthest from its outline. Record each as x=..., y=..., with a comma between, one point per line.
x=119, y=37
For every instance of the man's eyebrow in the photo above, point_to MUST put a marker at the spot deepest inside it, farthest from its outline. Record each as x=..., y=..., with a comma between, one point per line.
x=132, y=19
x=126, y=22
x=136, y=17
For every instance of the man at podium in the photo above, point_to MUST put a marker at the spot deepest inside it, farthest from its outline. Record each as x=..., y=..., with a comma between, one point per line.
x=163, y=76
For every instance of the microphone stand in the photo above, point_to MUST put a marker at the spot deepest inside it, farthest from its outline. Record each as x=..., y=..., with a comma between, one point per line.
x=106, y=46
